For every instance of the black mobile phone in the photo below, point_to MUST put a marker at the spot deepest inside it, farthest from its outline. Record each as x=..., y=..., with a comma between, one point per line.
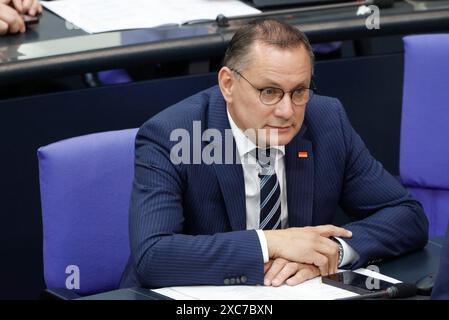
x=29, y=20
x=356, y=282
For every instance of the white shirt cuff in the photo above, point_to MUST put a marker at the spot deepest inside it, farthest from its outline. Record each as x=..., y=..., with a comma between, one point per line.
x=349, y=254
x=263, y=245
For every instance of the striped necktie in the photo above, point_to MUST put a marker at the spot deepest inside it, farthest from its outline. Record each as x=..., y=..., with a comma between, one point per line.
x=270, y=191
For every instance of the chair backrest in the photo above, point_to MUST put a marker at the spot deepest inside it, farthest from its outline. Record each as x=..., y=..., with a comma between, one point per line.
x=85, y=185
x=424, y=150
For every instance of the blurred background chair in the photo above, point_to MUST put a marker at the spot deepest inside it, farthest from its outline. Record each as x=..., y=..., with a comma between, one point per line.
x=424, y=147
x=116, y=76
x=85, y=185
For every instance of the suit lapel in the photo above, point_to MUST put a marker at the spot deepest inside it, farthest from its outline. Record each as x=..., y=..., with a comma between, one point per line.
x=232, y=185
x=299, y=172
x=230, y=176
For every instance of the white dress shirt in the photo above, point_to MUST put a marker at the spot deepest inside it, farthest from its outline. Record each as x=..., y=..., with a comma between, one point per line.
x=251, y=172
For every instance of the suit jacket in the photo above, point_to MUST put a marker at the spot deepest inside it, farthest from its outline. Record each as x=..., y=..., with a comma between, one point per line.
x=441, y=288
x=187, y=222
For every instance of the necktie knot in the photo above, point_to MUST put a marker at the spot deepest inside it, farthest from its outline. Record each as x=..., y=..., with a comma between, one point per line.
x=265, y=159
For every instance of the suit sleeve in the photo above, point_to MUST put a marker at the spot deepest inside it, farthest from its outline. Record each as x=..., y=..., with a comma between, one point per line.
x=389, y=222
x=161, y=253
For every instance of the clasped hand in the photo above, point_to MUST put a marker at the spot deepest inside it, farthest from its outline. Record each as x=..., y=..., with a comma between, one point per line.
x=300, y=254
x=10, y=11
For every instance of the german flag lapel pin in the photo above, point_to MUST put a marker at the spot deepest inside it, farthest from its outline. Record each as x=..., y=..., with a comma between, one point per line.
x=303, y=154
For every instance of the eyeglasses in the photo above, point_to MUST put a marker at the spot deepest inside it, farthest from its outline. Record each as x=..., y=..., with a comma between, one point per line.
x=270, y=96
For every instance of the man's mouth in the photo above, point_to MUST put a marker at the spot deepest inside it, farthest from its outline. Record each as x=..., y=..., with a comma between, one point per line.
x=279, y=128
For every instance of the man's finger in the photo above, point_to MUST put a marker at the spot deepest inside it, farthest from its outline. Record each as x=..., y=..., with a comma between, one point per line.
x=3, y=27
x=39, y=9
x=12, y=19
x=26, y=5
x=287, y=271
x=330, y=249
x=322, y=262
x=34, y=8
x=275, y=268
x=17, y=26
x=304, y=274
x=18, y=5
x=326, y=250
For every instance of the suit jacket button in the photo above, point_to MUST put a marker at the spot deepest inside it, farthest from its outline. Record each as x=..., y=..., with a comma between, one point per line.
x=243, y=279
x=237, y=280
x=232, y=280
x=226, y=281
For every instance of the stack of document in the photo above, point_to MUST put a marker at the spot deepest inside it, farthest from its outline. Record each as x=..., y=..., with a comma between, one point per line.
x=310, y=290
x=94, y=16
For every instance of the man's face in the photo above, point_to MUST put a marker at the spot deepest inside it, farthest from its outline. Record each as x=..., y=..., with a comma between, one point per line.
x=269, y=67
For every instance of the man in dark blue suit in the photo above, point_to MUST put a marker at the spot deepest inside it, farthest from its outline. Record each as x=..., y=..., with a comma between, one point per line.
x=238, y=184
x=441, y=288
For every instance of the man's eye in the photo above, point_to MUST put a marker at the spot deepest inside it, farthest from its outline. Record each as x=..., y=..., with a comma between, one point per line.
x=269, y=91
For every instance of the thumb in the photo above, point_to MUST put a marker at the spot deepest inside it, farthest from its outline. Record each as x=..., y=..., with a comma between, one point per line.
x=333, y=231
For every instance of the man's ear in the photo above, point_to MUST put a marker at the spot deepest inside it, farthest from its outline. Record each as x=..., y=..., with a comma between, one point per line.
x=226, y=82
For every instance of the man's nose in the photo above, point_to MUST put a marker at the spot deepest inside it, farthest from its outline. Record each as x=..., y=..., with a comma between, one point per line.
x=285, y=107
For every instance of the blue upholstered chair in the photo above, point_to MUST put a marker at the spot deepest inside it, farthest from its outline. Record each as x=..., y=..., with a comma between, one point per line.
x=116, y=76
x=424, y=151
x=85, y=185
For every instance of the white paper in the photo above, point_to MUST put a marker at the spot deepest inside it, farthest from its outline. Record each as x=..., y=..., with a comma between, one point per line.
x=310, y=290
x=60, y=46
x=95, y=16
